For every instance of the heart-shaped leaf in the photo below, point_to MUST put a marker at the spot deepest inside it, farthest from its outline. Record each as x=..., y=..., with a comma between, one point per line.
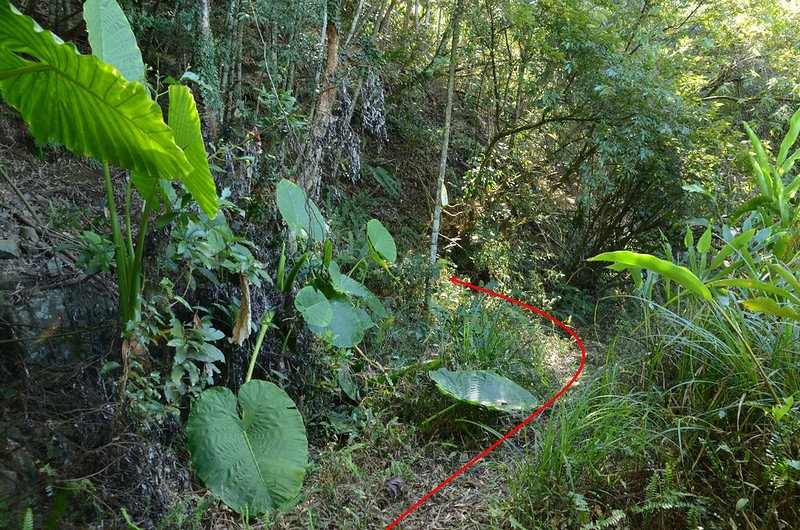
x=345, y=284
x=253, y=462
x=346, y=329
x=314, y=307
x=484, y=388
x=299, y=212
x=381, y=243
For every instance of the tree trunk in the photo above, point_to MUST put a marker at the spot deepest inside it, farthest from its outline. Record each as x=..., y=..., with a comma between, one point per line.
x=451, y=83
x=356, y=16
x=385, y=19
x=309, y=177
x=208, y=69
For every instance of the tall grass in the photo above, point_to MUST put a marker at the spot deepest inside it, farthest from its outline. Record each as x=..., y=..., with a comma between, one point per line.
x=677, y=432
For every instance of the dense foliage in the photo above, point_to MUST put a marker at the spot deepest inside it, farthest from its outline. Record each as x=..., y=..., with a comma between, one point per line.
x=286, y=199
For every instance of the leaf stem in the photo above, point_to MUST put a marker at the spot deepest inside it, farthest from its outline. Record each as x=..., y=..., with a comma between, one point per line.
x=440, y=413
x=265, y=324
x=121, y=255
x=131, y=250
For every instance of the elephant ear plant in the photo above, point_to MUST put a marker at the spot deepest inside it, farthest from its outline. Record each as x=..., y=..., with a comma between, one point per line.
x=251, y=449
x=97, y=106
x=86, y=104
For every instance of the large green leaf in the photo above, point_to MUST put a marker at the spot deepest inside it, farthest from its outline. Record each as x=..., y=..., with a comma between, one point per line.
x=254, y=461
x=484, y=388
x=185, y=123
x=112, y=39
x=747, y=283
x=730, y=247
x=315, y=308
x=680, y=275
x=82, y=102
x=381, y=243
x=345, y=284
x=299, y=212
x=761, y=165
x=346, y=328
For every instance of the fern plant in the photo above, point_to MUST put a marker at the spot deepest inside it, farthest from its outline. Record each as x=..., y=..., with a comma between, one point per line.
x=662, y=495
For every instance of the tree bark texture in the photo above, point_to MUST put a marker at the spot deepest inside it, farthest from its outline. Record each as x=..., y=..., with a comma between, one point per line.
x=309, y=176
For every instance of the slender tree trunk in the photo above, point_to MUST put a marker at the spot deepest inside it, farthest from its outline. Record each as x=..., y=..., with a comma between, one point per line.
x=385, y=19
x=227, y=53
x=208, y=69
x=288, y=81
x=322, y=40
x=376, y=11
x=357, y=15
x=309, y=177
x=451, y=83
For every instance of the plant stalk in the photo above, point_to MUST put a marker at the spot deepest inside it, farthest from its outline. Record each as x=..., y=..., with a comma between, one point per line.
x=265, y=324
x=440, y=413
x=121, y=254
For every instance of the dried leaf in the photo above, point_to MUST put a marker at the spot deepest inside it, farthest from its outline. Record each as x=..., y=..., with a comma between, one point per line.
x=393, y=487
x=241, y=330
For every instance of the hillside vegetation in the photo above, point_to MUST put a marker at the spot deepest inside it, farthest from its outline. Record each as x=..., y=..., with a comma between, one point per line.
x=228, y=230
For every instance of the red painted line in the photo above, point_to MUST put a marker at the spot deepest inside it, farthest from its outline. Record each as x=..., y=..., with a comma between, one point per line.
x=529, y=418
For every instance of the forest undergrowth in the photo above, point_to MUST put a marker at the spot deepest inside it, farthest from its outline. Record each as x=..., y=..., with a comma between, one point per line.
x=227, y=231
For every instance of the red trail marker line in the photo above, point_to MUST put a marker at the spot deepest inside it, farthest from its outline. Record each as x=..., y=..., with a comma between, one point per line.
x=529, y=418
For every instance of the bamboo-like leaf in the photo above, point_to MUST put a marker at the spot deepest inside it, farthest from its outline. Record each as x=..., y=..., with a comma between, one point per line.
x=770, y=306
x=789, y=139
x=734, y=245
x=789, y=163
x=112, y=39
x=761, y=155
x=704, y=244
x=791, y=189
x=747, y=283
x=749, y=206
x=82, y=102
x=787, y=275
x=680, y=275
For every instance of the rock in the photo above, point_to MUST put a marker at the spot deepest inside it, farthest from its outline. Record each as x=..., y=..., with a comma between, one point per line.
x=9, y=248
x=56, y=325
x=53, y=267
x=30, y=234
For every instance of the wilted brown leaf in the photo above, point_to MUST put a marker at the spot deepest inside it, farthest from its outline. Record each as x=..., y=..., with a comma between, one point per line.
x=241, y=330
